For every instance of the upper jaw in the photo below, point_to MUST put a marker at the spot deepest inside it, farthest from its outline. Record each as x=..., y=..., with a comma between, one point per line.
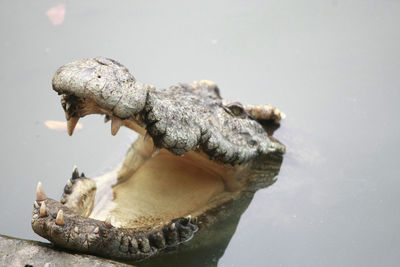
x=180, y=119
x=98, y=85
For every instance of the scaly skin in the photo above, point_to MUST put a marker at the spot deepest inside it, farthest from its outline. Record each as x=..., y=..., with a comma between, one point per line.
x=179, y=119
x=101, y=238
x=188, y=118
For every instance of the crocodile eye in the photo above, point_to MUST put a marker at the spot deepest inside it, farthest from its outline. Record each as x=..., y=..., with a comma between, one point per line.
x=236, y=108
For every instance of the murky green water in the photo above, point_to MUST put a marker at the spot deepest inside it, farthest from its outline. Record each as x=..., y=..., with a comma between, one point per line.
x=332, y=66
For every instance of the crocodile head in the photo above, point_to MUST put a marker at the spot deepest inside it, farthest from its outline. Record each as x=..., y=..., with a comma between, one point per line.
x=195, y=154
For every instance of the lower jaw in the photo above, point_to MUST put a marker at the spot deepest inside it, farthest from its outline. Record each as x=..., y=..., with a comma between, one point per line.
x=154, y=200
x=65, y=229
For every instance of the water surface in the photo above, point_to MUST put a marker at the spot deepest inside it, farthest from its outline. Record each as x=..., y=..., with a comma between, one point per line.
x=332, y=66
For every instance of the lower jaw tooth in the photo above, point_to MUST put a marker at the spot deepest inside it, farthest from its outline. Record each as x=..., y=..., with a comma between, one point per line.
x=42, y=210
x=40, y=194
x=60, y=218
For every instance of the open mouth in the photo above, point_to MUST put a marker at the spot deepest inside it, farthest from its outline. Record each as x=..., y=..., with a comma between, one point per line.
x=192, y=156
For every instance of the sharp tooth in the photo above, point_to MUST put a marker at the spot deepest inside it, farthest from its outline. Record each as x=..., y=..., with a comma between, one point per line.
x=96, y=230
x=42, y=211
x=107, y=222
x=67, y=106
x=75, y=173
x=116, y=123
x=40, y=195
x=172, y=227
x=71, y=123
x=60, y=218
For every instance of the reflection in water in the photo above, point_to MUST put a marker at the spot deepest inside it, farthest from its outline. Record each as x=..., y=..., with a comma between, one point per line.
x=60, y=125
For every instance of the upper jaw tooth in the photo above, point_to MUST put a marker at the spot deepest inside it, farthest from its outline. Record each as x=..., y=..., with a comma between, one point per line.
x=116, y=123
x=71, y=123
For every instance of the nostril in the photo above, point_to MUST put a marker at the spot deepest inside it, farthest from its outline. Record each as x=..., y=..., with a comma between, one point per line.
x=99, y=76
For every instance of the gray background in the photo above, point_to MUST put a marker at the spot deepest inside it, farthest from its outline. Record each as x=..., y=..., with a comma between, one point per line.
x=332, y=66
